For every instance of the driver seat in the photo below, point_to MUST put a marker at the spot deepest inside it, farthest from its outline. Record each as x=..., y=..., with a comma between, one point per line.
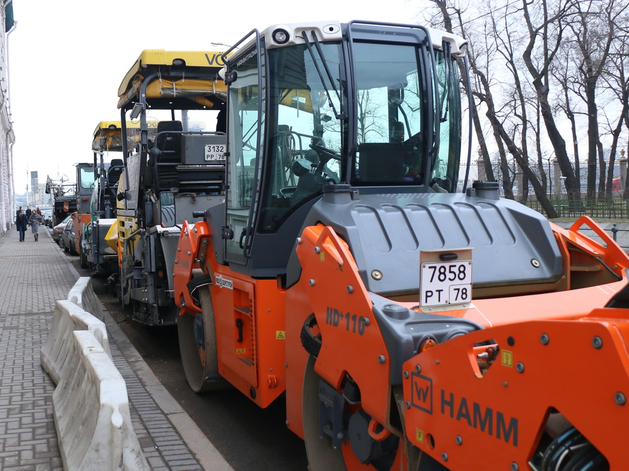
x=309, y=183
x=381, y=162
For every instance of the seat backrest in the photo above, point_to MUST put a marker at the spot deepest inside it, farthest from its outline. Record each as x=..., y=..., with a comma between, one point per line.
x=114, y=171
x=169, y=138
x=382, y=162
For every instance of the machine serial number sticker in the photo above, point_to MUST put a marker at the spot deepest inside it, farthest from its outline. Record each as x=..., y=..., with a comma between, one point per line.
x=224, y=282
x=445, y=283
x=215, y=152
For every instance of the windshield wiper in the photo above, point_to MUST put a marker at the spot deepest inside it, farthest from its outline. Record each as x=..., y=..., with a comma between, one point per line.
x=341, y=114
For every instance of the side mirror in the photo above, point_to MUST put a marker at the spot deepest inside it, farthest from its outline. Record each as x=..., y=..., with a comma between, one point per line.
x=167, y=208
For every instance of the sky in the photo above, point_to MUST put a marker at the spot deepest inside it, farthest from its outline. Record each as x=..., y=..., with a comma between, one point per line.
x=67, y=59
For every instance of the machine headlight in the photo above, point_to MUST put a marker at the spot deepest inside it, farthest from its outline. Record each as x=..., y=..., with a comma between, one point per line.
x=281, y=36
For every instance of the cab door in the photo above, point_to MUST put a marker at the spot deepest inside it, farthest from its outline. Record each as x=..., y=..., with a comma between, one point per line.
x=245, y=149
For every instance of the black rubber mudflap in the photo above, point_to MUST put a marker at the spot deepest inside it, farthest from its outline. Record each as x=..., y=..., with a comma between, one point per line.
x=311, y=343
x=195, y=283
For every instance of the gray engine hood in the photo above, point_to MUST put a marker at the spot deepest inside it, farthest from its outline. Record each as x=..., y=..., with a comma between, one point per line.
x=387, y=231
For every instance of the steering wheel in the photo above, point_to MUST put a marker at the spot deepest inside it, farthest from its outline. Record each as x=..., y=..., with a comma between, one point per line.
x=287, y=192
x=325, y=154
x=444, y=184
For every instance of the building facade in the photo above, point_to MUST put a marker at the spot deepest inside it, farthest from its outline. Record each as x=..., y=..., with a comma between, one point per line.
x=7, y=138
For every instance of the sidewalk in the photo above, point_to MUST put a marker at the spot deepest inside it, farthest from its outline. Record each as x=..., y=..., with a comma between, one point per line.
x=33, y=275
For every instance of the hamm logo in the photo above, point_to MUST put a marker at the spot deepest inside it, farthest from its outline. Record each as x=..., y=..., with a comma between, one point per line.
x=421, y=392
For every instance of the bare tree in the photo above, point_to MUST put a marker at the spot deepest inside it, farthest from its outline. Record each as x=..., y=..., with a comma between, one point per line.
x=562, y=74
x=593, y=29
x=478, y=126
x=483, y=92
x=505, y=169
x=554, y=53
x=504, y=38
x=548, y=27
x=616, y=79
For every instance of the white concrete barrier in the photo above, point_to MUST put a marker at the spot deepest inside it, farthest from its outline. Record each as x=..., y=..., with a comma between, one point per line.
x=82, y=294
x=91, y=411
x=67, y=318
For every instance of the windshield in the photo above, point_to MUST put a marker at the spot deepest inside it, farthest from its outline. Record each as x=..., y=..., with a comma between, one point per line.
x=305, y=144
x=307, y=126
x=86, y=176
x=389, y=107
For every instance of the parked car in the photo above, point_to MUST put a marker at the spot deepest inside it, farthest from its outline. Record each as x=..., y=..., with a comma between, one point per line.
x=47, y=215
x=58, y=229
x=67, y=238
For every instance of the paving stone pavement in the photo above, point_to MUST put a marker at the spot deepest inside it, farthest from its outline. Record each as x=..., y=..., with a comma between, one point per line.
x=33, y=275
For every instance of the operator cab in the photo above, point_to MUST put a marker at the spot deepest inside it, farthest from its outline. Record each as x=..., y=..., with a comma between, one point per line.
x=174, y=99
x=107, y=145
x=84, y=183
x=371, y=105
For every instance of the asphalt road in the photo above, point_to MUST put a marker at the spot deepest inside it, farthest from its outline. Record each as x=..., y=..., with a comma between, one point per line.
x=250, y=438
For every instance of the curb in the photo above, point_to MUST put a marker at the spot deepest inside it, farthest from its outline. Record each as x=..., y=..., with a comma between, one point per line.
x=207, y=455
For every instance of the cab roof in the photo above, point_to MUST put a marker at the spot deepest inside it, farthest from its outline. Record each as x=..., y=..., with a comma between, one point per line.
x=332, y=31
x=181, y=74
x=108, y=134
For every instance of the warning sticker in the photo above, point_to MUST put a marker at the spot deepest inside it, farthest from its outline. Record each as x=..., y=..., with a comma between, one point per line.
x=507, y=358
x=280, y=335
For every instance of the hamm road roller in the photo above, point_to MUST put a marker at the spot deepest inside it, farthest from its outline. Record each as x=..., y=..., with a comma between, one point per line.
x=411, y=322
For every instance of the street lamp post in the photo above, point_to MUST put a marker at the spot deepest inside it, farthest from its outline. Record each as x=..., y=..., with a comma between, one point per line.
x=550, y=181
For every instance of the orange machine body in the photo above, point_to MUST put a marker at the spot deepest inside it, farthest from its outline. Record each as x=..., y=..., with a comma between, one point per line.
x=250, y=330
x=558, y=353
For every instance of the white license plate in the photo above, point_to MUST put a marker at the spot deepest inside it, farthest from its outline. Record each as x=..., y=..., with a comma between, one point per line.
x=215, y=152
x=445, y=283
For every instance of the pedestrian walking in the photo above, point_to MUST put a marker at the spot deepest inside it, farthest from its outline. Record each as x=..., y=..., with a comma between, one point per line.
x=20, y=223
x=36, y=219
x=28, y=212
x=17, y=211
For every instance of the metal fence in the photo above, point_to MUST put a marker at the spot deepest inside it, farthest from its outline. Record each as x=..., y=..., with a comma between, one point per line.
x=617, y=208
